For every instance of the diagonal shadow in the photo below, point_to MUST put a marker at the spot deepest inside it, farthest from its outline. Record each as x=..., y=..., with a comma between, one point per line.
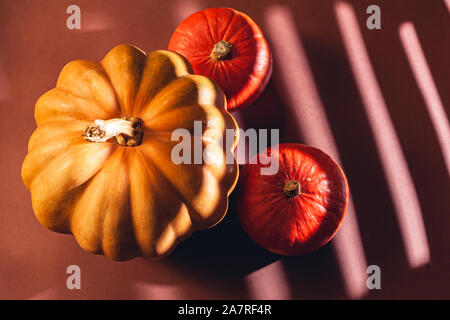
x=350, y=128
x=409, y=112
x=379, y=228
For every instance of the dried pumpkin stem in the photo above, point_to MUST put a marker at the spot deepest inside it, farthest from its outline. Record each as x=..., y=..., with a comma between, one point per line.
x=221, y=51
x=126, y=131
x=291, y=188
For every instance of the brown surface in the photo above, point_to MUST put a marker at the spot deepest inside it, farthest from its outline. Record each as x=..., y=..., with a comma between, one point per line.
x=35, y=45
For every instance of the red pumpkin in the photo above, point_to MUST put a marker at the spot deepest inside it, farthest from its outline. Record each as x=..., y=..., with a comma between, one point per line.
x=298, y=209
x=227, y=46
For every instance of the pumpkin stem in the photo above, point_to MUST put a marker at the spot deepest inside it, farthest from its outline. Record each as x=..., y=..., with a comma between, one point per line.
x=126, y=131
x=291, y=188
x=221, y=51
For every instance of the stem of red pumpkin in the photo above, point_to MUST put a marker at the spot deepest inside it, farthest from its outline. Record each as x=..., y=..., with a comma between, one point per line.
x=291, y=188
x=221, y=51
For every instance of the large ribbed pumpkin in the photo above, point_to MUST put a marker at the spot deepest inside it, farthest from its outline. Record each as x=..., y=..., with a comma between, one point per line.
x=99, y=164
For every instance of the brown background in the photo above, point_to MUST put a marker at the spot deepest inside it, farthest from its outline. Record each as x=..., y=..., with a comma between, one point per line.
x=35, y=44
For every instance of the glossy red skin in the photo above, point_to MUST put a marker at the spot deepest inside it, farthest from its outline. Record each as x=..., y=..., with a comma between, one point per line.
x=298, y=225
x=242, y=77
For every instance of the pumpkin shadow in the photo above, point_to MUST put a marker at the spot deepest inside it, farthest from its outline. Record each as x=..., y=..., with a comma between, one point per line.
x=220, y=257
x=270, y=112
x=315, y=275
x=225, y=248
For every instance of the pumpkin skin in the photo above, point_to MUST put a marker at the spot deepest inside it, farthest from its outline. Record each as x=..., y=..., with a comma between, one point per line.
x=290, y=219
x=244, y=72
x=128, y=201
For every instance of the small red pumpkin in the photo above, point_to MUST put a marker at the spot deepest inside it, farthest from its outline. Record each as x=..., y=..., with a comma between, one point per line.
x=227, y=46
x=300, y=208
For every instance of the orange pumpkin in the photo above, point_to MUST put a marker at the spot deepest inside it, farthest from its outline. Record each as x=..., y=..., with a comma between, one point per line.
x=227, y=46
x=99, y=163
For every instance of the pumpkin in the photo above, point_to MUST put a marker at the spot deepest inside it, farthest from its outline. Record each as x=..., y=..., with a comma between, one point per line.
x=298, y=209
x=227, y=46
x=99, y=163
